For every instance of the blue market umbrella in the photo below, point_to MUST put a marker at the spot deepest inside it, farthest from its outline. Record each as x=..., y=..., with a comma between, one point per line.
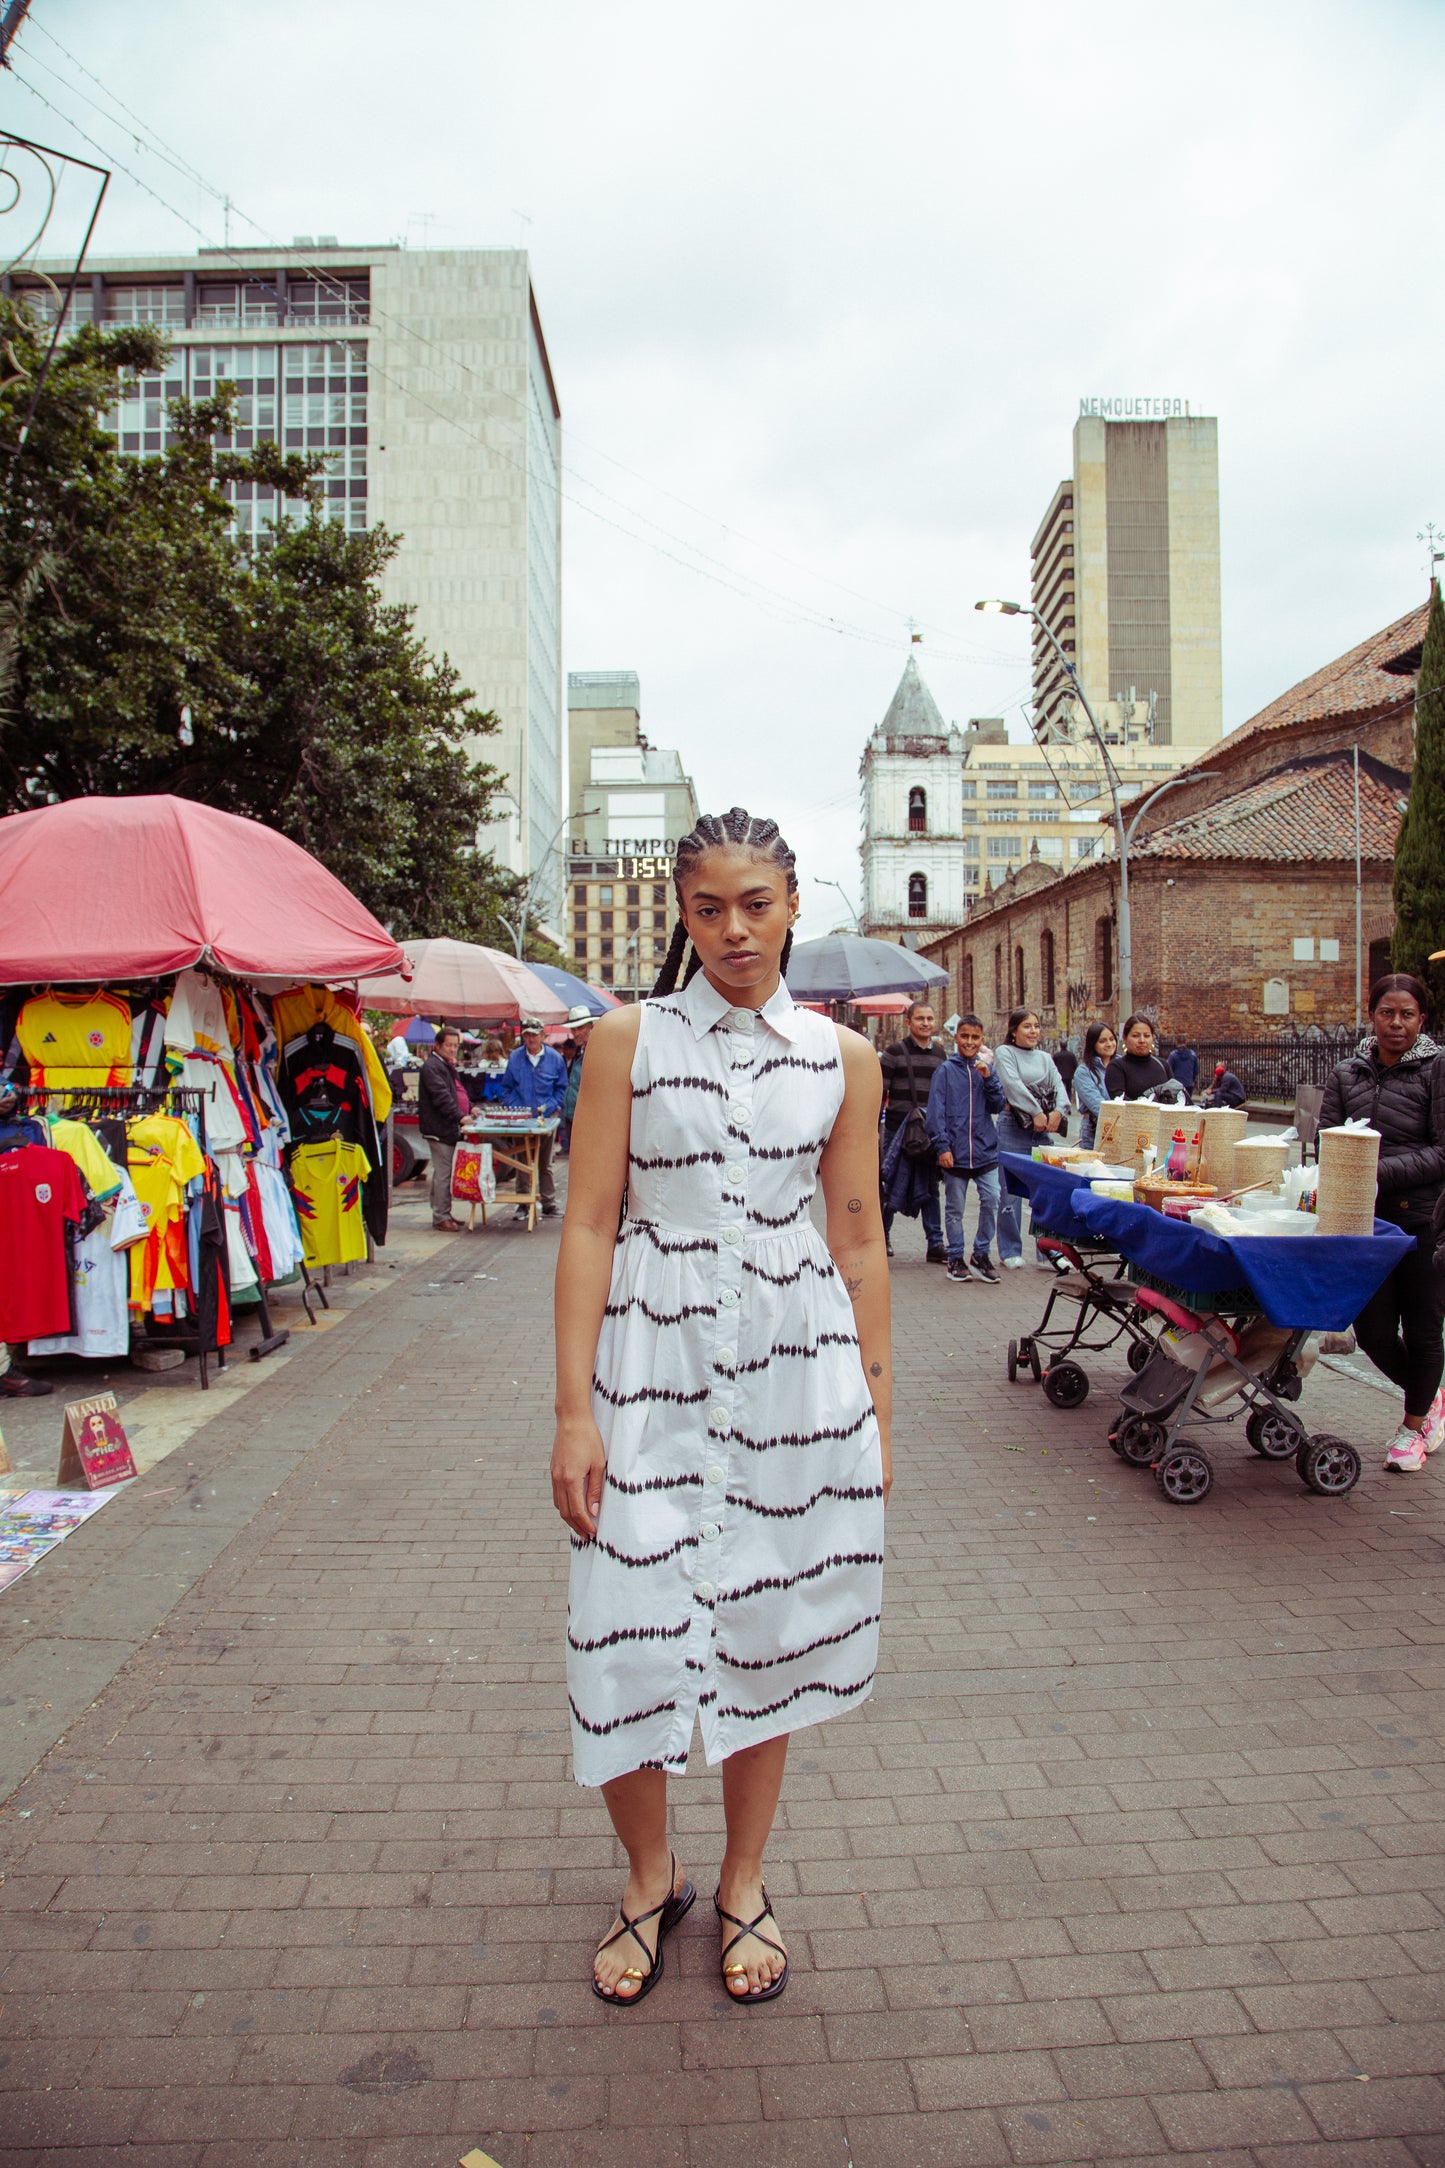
x=419, y=1032
x=850, y=967
x=575, y=992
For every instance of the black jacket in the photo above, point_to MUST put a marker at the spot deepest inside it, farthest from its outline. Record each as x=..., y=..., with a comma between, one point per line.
x=438, y=1114
x=908, y=1073
x=1129, y=1076
x=1406, y=1103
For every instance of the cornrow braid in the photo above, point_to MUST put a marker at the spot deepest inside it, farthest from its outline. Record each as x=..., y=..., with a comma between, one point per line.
x=741, y=830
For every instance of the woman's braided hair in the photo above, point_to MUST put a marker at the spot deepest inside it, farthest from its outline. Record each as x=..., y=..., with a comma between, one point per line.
x=741, y=831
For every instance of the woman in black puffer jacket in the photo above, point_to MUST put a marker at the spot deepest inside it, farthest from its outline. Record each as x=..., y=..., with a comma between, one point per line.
x=1397, y=1084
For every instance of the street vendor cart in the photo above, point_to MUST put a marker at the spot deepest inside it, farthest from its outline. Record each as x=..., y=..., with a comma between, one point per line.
x=515, y=1141
x=1234, y=1312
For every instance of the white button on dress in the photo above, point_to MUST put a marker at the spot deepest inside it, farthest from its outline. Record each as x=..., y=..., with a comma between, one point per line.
x=736, y=1578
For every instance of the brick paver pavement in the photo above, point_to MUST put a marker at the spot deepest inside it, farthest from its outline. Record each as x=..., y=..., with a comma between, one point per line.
x=1135, y=1856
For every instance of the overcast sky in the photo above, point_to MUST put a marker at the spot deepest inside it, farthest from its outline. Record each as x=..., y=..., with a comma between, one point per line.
x=823, y=285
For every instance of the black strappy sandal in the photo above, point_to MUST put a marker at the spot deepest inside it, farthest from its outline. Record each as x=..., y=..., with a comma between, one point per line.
x=745, y=1928
x=672, y=1909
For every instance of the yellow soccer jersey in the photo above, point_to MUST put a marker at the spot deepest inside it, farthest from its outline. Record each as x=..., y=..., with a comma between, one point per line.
x=326, y=1182
x=71, y=1040
x=102, y=1176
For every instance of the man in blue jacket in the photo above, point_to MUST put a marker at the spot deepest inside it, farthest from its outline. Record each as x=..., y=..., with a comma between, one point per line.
x=536, y=1078
x=962, y=1101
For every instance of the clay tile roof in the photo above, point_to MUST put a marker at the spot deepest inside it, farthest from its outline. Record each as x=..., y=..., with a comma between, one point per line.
x=1377, y=673
x=1303, y=812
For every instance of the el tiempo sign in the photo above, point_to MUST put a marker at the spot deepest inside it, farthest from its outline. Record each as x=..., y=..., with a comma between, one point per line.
x=1133, y=409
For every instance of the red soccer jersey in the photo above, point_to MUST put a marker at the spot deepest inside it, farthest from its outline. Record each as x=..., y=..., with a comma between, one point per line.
x=39, y=1191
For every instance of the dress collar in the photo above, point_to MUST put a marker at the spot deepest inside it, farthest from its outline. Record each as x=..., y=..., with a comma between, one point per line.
x=705, y=1008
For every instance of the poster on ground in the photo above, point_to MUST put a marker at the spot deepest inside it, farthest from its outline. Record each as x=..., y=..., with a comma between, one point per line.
x=33, y=1522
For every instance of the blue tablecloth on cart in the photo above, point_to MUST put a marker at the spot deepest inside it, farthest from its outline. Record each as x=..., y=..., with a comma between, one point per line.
x=1318, y=1283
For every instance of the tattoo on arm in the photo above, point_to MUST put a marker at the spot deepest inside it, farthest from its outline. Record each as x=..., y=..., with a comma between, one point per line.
x=875, y=1370
x=855, y=1204
x=853, y=1281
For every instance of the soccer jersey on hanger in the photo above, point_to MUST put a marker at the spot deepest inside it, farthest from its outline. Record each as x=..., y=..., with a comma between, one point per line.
x=71, y=1040
x=326, y=1182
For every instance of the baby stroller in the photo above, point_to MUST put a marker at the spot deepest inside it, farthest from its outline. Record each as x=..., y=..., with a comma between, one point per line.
x=1103, y=1302
x=1168, y=1393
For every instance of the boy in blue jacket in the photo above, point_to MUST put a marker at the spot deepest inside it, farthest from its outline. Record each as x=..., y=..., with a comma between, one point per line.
x=962, y=1101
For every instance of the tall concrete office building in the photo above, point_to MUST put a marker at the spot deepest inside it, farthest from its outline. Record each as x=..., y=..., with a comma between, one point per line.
x=1126, y=571
x=630, y=803
x=423, y=376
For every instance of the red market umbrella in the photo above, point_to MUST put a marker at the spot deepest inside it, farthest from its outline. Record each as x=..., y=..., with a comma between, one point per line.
x=604, y=994
x=466, y=984
x=131, y=888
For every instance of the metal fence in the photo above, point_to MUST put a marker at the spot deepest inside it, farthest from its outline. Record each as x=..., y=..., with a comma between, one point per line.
x=1275, y=1067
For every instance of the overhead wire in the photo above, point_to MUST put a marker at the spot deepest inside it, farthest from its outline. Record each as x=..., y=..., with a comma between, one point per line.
x=731, y=575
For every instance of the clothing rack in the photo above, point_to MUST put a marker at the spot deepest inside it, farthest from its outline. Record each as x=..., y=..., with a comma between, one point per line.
x=122, y=1100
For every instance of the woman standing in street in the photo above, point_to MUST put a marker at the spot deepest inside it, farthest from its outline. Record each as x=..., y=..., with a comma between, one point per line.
x=1138, y=1069
x=724, y=1385
x=1090, y=1087
x=1037, y=1106
x=1396, y=1082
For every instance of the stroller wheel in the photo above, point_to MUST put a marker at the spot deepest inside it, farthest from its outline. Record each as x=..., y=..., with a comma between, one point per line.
x=1272, y=1436
x=1029, y=1354
x=1139, y=1441
x=1328, y=1465
x=1185, y=1475
x=1139, y=1353
x=1067, y=1384
x=1012, y=1361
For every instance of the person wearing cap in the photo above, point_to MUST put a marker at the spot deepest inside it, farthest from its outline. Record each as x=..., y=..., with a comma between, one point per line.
x=579, y=1023
x=536, y=1078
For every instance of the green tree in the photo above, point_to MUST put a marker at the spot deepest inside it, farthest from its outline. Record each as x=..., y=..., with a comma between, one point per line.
x=144, y=647
x=1420, y=851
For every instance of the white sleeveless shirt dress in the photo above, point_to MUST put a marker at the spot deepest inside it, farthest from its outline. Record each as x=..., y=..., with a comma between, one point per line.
x=737, y=1572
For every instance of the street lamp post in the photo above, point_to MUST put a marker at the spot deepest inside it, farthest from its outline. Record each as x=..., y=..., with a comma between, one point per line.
x=821, y=883
x=1124, y=837
x=519, y=931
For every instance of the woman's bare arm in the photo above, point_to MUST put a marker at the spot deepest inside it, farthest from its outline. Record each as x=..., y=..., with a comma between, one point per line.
x=849, y=1172
x=597, y=1177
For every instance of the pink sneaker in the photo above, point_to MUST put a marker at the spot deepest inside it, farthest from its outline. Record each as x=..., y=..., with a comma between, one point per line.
x=1407, y=1450
x=1434, y=1431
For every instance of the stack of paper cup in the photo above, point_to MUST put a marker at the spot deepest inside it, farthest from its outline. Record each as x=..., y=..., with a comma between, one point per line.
x=1255, y=1158
x=1108, y=1133
x=1223, y=1127
x=1349, y=1168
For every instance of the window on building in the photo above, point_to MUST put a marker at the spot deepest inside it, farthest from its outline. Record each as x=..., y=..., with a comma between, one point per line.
x=1104, y=957
x=145, y=305
x=1043, y=790
x=1001, y=787
x=605, y=974
x=606, y=946
x=969, y=787
x=1066, y=504
x=918, y=895
x=1020, y=988
x=970, y=846
x=1050, y=847
x=579, y=893
x=634, y=895
x=328, y=301
x=634, y=918
x=659, y=892
x=579, y=922
x=604, y=894
x=917, y=811
x=140, y=418
x=579, y=951
x=1004, y=847
x=1085, y=846
x=1046, y=968
x=606, y=921
x=998, y=978
x=326, y=411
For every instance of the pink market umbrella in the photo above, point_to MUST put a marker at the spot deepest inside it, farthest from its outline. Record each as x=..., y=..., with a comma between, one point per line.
x=131, y=888
x=466, y=984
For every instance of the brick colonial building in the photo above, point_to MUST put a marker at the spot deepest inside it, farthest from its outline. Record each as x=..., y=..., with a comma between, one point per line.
x=1241, y=882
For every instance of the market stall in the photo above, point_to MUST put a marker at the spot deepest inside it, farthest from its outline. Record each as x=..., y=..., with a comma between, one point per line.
x=190, y=1114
